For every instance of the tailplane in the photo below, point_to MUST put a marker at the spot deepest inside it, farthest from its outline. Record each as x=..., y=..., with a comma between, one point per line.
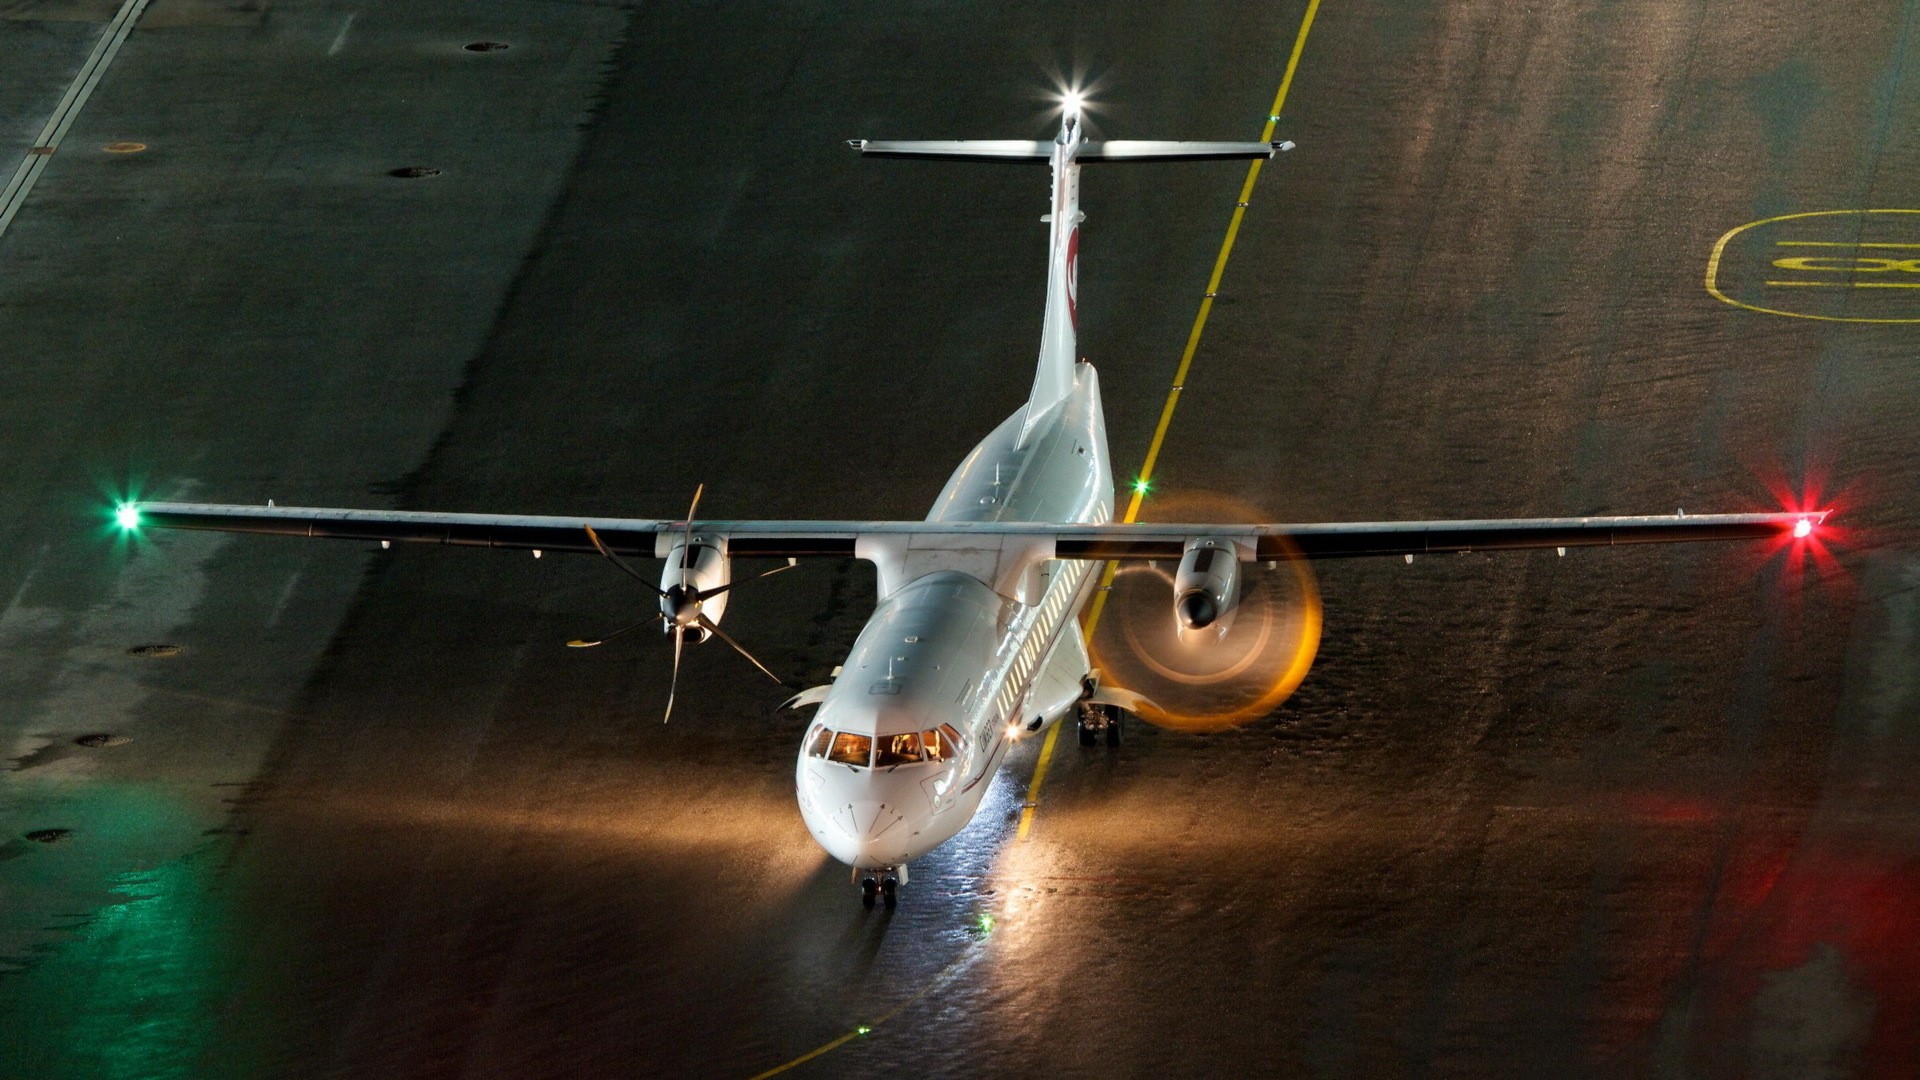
x=1053, y=380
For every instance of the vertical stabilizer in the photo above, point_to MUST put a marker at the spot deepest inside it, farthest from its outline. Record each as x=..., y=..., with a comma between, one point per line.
x=1053, y=379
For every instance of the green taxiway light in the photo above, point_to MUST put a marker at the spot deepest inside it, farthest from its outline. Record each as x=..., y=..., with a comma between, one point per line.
x=1141, y=487
x=863, y=1030
x=128, y=515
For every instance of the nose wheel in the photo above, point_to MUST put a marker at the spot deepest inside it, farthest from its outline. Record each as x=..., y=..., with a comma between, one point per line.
x=881, y=886
x=1099, y=722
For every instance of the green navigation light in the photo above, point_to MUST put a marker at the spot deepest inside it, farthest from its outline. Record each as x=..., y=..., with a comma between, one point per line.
x=128, y=515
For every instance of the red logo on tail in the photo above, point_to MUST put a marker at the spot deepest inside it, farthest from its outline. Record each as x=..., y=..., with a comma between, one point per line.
x=1073, y=277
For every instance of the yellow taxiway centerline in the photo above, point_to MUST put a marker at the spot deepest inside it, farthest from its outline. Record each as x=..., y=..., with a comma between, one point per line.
x=1145, y=476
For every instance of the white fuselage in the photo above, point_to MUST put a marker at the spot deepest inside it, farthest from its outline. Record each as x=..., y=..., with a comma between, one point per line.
x=948, y=672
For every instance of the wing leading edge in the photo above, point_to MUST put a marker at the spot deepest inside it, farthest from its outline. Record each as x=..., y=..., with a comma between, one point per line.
x=840, y=539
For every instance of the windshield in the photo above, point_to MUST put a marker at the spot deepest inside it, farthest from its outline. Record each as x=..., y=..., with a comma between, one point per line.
x=817, y=744
x=851, y=749
x=898, y=750
x=941, y=743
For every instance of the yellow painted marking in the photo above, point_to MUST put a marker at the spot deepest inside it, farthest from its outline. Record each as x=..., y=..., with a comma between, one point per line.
x=1858, y=264
x=1840, y=243
x=1720, y=246
x=947, y=974
x=1856, y=285
x=809, y=1055
x=1039, y=777
x=1145, y=475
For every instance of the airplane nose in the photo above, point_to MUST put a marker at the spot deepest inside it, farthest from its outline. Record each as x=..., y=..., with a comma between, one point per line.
x=868, y=823
x=863, y=833
x=864, y=819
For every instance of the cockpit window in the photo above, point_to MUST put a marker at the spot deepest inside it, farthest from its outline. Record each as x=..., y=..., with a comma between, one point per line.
x=942, y=742
x=898, y=750
x=822, y=738
x=851, y=749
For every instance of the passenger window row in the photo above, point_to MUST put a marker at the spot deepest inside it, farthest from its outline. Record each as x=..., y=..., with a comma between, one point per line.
x=865, y=751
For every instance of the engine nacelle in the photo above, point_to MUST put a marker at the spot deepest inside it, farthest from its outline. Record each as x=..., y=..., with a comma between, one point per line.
x=693, y=568
x=1206, y=588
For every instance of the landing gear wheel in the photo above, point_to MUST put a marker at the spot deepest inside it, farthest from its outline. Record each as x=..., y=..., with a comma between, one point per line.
x=869, y=889
x=1113, y=725
x=1091, y=717
x=890, y=889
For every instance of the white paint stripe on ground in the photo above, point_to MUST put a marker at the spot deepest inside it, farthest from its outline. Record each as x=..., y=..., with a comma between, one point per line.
x=340, y=39
x=68, y=109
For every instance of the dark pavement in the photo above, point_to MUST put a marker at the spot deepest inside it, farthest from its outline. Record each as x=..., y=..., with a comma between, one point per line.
x=1638, y=812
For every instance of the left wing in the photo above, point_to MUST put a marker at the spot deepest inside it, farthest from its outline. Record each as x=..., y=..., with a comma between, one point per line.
x=1035, y=540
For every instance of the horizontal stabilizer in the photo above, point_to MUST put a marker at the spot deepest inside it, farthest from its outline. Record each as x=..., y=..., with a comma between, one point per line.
x=1018, y=150
x=1139, y=150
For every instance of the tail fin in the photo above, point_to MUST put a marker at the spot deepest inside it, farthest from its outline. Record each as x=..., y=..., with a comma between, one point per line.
x=1053, y=381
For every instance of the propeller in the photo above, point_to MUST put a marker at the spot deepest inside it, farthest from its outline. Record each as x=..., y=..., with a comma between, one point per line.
x=683, y=602
x=1235, y=670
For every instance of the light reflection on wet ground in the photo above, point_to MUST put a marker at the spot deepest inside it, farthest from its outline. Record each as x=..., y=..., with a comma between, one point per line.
x=1630, y=812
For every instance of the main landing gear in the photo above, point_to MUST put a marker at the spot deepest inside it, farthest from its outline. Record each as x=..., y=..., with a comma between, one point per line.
x=880, y=884
x=1099, y=720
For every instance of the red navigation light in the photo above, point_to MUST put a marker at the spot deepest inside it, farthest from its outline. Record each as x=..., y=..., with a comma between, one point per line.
x=1803, y=528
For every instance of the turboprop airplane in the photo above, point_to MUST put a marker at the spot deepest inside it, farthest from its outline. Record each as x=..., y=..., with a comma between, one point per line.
x=974, y=640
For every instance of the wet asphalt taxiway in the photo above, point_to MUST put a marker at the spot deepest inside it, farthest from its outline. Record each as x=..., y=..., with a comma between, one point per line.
x=1637, y=812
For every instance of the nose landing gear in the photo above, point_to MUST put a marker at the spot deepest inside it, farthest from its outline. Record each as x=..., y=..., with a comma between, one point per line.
x=880, y=884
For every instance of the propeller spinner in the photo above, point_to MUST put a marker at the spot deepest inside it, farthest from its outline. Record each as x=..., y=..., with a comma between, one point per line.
x=684, y=611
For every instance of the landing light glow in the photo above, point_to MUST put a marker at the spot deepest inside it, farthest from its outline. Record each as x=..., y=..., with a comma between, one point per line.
x=1072, y=102
x=127, y=515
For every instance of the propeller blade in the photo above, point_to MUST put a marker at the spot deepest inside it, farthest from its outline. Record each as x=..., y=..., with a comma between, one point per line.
x=582, y=643
x=600, y=546
x=687, y=538
x=706, y=594
x=699, y=490
x=714, y=629
x=673, y=683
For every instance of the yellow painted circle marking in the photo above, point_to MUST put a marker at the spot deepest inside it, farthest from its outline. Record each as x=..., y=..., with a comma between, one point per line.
x=1817, y=273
